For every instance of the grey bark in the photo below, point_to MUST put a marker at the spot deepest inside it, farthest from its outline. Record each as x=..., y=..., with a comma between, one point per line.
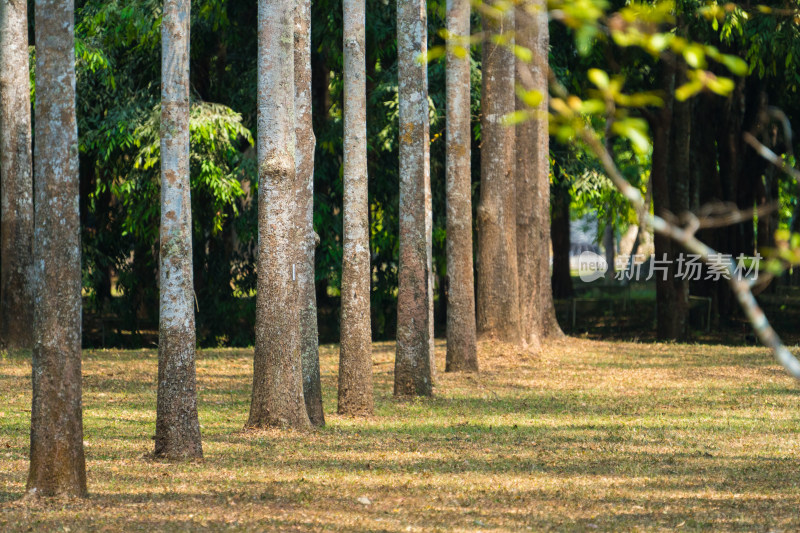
x=304, y=161
x=532, y=177
x=177, y=425
x=57, y=465
x=461, y=333
x=277, y=366
x=542, y=220
x=16, y=179
x=498, y=292
x=413, y=371
x=355, y=355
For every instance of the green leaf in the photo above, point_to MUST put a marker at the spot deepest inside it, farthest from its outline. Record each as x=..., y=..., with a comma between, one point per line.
x=599, y=78
x=523, y=53
x=736, y=65
x=517, y=117
x=529, y=98
x=687, y=90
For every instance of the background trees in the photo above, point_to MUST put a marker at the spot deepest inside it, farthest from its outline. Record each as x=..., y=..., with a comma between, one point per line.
x=119, y=148
x=57, y=465
x=602, y=116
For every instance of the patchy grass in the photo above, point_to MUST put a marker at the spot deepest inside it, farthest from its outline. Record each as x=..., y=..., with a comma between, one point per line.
x=585, y=436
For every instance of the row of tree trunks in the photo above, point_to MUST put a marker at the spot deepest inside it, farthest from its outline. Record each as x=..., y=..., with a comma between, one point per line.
x=461, y=330
x=355, y=355
x=16, y=179
x=304, y=162
x=414, y=359
x=177, y=425
x=277, y=368
x=286, y=388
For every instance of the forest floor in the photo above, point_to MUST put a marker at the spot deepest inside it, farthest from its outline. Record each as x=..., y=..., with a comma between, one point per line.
x=584, y=436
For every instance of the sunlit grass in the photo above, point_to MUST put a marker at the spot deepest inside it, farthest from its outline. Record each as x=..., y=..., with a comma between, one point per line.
x=586, y=435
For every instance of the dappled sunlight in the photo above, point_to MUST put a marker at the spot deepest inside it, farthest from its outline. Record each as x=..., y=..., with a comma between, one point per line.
x=582, y=433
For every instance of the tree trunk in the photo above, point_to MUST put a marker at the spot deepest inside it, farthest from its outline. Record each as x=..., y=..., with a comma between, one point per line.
x=57, y=465
x=679, y=202
x=550, y=327
x=461, y=333
x=277, y=367
x=562, y=277
x=177, y=426
x=532, y=172
x=16, y=180
x=609, y=243
x=670, y=182
x=498, y=294
x=355, y=353
x=413, y=371
x=304, y=161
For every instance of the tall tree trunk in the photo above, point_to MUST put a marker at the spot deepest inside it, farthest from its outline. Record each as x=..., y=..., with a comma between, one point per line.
x=498, y=293
x=532, y=172
x=679, y=202
x=277, y=367
x=461, y=333
x=57, y=465
x=355, y=354
x=304, y=161
x=661, y=126
x=562, y=278
x=177, y=426
x=16, y=180
x=413, y=370
x=609, y=243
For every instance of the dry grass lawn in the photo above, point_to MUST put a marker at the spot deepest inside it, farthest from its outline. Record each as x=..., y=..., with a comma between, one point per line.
x=586, y=436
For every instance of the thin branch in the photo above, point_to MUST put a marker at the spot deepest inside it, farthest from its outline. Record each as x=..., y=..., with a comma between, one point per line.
x=771, y=156
x=731, y=215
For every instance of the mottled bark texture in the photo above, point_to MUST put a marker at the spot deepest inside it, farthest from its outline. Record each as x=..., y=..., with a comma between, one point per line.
x=57, y=465
x=413, y=369
x=498, y=292
x=177, y=425
x=461, y=333
x=16, y=179
x=355, y=355
x=531, y=172
x=304, y=162
x=277, y=367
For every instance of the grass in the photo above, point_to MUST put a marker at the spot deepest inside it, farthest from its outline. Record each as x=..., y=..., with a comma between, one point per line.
x=584, y=436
